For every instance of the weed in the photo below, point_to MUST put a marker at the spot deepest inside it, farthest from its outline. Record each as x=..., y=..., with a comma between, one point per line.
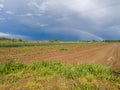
x=10, y=66
x=42, y=72
x=63, y=49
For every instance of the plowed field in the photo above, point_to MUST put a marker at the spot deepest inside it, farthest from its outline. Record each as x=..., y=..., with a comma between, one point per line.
x=101, y=53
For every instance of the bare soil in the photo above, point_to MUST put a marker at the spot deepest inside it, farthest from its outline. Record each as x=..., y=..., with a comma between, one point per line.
x=106, y=54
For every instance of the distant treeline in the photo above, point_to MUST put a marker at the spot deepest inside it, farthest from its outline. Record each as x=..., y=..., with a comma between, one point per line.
x=3, y=38
x=111, y=41
x=56, y=40
x=10, y=39
x=101, y=41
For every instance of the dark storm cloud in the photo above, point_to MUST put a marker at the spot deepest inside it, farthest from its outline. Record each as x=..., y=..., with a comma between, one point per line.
x=51, y=19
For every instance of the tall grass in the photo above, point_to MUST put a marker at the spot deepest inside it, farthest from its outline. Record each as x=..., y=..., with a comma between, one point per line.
x=10, y=67
x=67, y=70
x=12, y=71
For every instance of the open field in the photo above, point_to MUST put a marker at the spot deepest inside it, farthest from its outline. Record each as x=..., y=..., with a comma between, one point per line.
x=81, y=66
x=102, y=53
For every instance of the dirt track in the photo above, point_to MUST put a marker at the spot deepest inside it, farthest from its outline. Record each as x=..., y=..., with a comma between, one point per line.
x=108, y=54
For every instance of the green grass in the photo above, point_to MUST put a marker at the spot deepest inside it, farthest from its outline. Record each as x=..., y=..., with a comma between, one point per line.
x=20, y=44
x=63, y=49
x=56, y=76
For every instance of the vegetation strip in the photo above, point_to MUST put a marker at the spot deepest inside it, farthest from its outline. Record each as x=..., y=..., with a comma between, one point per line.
x=20, y=44
x=69, y=76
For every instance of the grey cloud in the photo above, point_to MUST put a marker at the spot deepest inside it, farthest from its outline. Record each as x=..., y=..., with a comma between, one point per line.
x=84, y=18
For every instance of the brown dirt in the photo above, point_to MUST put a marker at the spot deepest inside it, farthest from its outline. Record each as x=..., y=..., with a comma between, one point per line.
x=107, y=54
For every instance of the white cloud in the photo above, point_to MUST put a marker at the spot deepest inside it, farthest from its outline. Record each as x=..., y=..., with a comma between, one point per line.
x=26, y=15
x=42, y=25
x=29, y=14
x=11, y=35
x=10, y=12
x=41, y=6
x=4, y=34
x=95, y=10
x=1, y=6
x=115, y=27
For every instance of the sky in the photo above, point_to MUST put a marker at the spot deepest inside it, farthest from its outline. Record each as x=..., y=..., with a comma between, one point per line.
x=60, y=19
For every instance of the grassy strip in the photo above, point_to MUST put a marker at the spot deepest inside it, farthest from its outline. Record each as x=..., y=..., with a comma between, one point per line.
x=79, y=76
x=20, y=44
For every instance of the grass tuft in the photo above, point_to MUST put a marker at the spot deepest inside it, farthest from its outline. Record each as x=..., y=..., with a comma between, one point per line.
x=10, y=66
x=71, y=76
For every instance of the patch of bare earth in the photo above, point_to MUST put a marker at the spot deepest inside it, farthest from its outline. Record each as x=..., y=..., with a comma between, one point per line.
x=106, y=54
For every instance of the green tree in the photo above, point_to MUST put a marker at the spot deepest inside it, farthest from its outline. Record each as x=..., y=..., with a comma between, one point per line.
x=20, y=40
x=93, y=40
